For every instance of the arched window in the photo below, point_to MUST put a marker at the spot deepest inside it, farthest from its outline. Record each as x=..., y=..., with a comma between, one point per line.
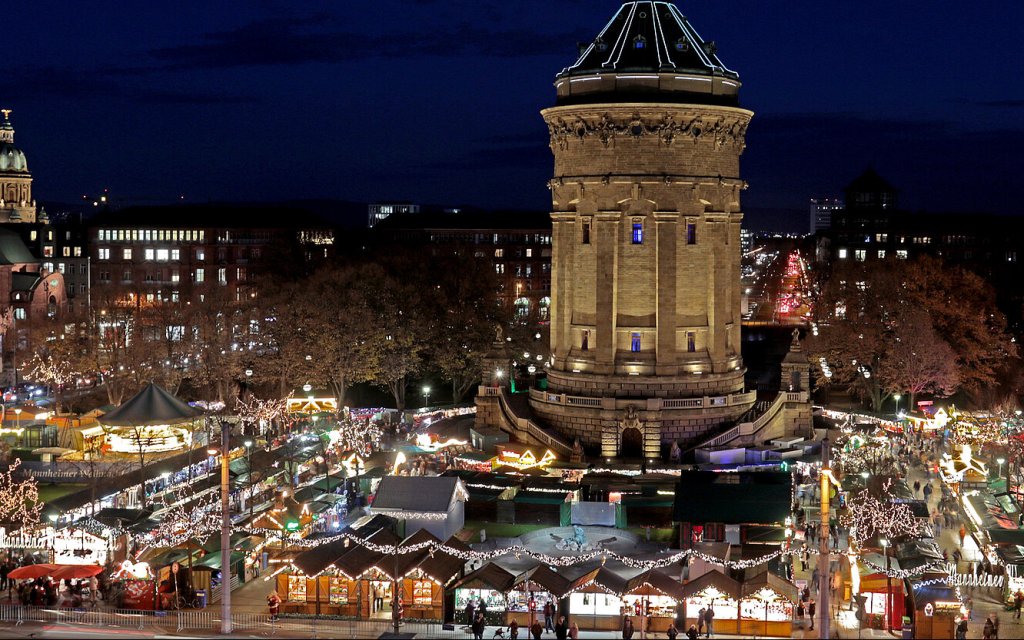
x=522, y=307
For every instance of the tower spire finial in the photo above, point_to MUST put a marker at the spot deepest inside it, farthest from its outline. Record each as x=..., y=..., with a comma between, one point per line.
x=7, y=114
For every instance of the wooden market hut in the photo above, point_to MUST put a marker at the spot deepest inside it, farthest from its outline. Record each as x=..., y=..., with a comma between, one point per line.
x=356, y=565
x=719, y=591
x=766, y=606
x=533, y=590
x=434, y=503
x=595, y=600
x=657, y=594
x=322, y=594
x=441, y=569
x=489, y=584
x=936, y=608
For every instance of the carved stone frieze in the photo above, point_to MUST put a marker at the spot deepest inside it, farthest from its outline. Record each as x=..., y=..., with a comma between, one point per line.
x=669, y=128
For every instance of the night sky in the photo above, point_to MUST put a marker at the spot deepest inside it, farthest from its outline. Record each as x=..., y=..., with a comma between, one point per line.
x=437, y=101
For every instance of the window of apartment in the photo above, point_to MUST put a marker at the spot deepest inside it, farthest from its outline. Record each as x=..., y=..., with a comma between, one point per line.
x=881, y=254
x=634, y=342
x=162, y=254
x=78, y=252
x=499, y=268
x=35, y=234
x=65, y=252
x=1011, y=256
x=19, y=313
x=529, y=253
x=104, y=254
x=691, y=233
x=81, y=288
x=586, y=232
x=843, y=254
x=222, y=276
x=691, y=341
x=48, y=251
x=49, y=235
x=200, y=275
x=499, y=253
x=175, y=254
x=104, y=276
x=200, y=254
x=60, y=267
x=149, y=254
x=860, y=255
x=585, y=341
x=126, y=254
x=638, y=232
x=175, y=276
x=529, y=270
x=126, y=276
x=901, y=254
x=240, y=274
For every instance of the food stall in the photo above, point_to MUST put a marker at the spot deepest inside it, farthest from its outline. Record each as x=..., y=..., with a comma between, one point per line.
x=537, y=587
x=488, y=584
x=717, y=591
x=936, y=608
x=427, y=581
x=359, y=565
x=766, y=606
x=138, y=587
x=595, y=601
x=656, y=595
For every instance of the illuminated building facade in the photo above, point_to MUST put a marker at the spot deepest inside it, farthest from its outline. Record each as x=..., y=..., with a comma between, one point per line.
x=16, y=202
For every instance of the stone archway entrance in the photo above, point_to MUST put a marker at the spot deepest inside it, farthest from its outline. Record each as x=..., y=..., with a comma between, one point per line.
x=632, y=443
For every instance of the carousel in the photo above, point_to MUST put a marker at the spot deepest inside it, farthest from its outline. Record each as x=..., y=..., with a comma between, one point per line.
x=153, y=420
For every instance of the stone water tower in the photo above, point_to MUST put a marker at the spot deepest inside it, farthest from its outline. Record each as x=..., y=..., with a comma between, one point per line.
x=645, y=318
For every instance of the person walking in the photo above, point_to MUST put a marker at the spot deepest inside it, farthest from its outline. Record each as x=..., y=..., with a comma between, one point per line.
x=273, y=604
x=478, y=626
x=800, y=614
x=963, y=534
x=536, y=630
x=574, y=631
x=700, y=620
x=709, y=620
x=961, y=629
x=513, y=630
x=988, y=629
x=811, y=609
x=627, y=628
x=671, y=632
x=1018, y=601
x=561, y=629
x=549, y=615
x=692, y=633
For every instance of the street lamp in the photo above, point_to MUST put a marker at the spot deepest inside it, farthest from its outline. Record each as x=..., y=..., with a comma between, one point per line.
x=426, y=396
x=888, y=585
x=1000, y=461
x=248, y=470
x=17, y=413
x=897, y=397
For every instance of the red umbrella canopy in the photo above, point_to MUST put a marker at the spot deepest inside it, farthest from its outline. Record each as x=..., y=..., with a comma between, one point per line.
x=76, y=571
x=32, y=571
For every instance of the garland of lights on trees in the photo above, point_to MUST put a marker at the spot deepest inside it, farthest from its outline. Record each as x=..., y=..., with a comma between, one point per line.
x=19, y=499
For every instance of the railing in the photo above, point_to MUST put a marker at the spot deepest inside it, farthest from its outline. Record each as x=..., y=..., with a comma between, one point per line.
x=160, y=622
x=489, y=391
x=751, y=428
x=525, y=424
x=706, y=402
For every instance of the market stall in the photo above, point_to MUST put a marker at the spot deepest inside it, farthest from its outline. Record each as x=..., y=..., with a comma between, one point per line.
x=655, y=595
x=766, y=606
x=373, y=594
x=595, y=601
x=717, y=591
x=936, y=609
x=488, y=585
x=426, y=596
x=535, y=589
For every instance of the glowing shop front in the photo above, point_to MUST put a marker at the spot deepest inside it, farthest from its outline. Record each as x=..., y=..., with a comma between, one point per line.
x=762, y=606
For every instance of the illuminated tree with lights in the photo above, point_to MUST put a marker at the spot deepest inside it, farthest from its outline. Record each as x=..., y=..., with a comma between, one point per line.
x=259, y=412
x=19, y=499
x=870, y=517
x=190, y=516
x=51, y=370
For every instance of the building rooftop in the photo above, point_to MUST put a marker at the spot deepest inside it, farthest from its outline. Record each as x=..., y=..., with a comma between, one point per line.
x=211, y=215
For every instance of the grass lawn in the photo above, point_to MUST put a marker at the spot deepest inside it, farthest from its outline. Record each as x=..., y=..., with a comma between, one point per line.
x=499, y=529
x=50, y=492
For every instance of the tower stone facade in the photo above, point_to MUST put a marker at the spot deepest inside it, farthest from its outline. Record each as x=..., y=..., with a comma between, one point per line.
x=16, y=203
x=645, y=320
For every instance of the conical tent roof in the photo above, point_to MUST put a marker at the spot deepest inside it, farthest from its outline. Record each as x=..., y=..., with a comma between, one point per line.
x=152, y=406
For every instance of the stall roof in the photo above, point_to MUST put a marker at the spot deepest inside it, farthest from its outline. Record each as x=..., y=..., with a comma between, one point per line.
x=715, y=580
x=990, y=512
x=762, y=497
x=313, y=561
x=212, y=560
x=442, y=566
x=406, y=562
x=611, y=581
x=1006, y=536
x=655, y=582
x=360, y=559
x=768, y=580
x=917, y=553
x=554, y=583
x=491, y=576
x=1010, y=553
x=931, y=594
x=424, y=494
x=154, y=405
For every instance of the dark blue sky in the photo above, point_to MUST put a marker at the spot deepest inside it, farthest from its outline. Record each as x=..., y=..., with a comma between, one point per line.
x=437, y=100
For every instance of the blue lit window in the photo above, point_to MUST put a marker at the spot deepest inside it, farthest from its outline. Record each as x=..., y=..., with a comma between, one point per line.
x=635, y=342
x=639, y=42
x=638, y=233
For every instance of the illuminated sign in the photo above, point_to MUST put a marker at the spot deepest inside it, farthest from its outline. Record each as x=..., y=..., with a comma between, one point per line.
x=524, y=460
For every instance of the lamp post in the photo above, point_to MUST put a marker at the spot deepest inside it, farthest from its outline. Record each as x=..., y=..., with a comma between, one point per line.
x=17, y=414
x=1000, y=461
x=225, y=530
x=888, y=585
x=897, y=397
x=248, y=470
x=426, y=396
x=824, y=556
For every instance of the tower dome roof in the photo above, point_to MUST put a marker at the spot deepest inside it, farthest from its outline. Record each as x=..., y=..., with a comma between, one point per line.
x=650, y=50
x=12, y=159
